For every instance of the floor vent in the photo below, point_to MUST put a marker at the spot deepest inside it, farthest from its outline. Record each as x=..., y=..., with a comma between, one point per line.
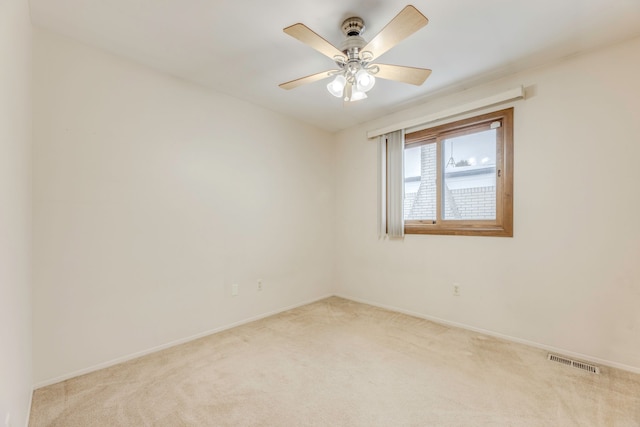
x=574, y=363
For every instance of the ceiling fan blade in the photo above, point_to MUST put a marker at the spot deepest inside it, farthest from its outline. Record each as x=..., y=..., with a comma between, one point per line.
x=407, y=22
x=304, y=80
x=310, y=38
x=411, y=75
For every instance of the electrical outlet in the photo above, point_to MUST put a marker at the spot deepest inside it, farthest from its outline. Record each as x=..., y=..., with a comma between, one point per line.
x=456, y=289
x=234, y=290
x=259, y=284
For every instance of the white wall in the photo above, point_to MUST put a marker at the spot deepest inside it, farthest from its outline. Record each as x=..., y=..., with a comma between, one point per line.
x=15, y=211
x=151, y=197
x=570, y=276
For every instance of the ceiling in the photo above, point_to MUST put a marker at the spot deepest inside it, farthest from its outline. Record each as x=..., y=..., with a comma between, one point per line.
x=238, y=47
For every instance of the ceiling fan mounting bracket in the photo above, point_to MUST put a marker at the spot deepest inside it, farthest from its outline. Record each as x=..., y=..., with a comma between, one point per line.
x=353, y=26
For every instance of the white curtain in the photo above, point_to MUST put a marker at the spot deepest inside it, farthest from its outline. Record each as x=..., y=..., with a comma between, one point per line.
x=391, y=185
x=382, y=186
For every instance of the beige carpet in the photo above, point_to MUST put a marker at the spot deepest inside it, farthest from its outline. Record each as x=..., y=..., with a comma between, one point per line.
x=340, y=363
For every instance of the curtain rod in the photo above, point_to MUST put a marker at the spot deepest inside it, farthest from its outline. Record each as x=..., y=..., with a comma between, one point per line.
x=510, y=95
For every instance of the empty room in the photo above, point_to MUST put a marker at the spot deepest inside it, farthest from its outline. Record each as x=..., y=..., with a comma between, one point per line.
x=306, y=213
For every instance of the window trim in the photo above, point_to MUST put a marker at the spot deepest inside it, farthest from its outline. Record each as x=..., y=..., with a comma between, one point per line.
x=502, y=226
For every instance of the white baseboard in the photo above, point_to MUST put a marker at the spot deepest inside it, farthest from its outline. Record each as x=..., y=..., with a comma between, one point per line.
x=169, y=344
x=569, y=353
x=126, y=358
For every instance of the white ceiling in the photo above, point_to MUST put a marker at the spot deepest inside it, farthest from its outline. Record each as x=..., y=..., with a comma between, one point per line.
x=238, y=47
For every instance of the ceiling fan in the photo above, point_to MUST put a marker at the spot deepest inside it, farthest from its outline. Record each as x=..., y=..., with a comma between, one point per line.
x=356, y=74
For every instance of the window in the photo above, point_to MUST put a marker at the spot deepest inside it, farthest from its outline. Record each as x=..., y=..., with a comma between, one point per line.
x=458, y=177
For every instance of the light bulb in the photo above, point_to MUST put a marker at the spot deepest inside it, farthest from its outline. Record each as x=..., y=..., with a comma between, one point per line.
x=336, y=87
x=364, y=81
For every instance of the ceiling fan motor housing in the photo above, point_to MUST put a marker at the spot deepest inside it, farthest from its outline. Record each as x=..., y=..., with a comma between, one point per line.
x=352, y=46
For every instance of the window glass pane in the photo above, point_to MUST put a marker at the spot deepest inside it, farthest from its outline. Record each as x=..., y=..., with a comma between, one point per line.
x=420, y=182
x=469, y=181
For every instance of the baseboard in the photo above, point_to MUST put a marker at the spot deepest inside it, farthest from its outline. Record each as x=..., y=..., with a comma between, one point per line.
x=569, y=353
x=132, y=356
x=170, y=344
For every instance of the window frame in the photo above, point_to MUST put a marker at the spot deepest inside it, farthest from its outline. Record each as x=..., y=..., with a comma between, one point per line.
x=502, y=226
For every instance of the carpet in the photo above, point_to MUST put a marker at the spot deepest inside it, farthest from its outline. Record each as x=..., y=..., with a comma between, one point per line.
x=341, y=363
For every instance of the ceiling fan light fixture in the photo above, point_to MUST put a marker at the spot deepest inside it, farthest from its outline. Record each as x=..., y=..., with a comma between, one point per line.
x=351, y=93
x=336, y=87
x=357, y=95
x=364, y=81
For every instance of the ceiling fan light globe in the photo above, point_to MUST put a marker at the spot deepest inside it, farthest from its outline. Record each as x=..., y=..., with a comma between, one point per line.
x=336, y=87
x=364, y=81
x=357, y=95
